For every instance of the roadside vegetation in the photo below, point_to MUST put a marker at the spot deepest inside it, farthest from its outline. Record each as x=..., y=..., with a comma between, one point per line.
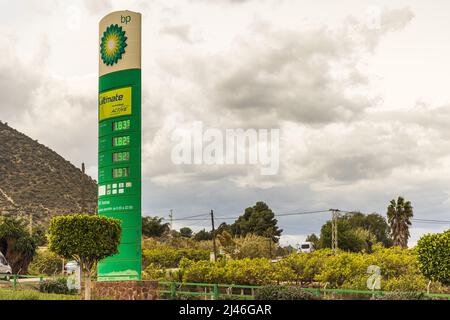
x=249, y=253
x=28, y=294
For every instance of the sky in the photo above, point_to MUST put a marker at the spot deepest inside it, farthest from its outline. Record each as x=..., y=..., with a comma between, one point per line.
x=358, y=90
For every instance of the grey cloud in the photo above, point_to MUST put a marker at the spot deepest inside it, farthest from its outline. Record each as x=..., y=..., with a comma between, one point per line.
x=181, y=32
x=413, y=139
x=290, y=73
x=98, y=7
x=17, y=86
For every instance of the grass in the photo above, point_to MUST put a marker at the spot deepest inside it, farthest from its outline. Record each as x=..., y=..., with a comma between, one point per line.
x=27, y=294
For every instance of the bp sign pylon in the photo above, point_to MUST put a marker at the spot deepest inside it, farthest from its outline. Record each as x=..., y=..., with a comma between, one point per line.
x=119, y=144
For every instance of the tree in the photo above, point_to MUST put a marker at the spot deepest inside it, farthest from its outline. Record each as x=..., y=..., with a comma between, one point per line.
x=259, y=220
x=399, y=215
x=224, y=227
x=434, y=256
x=86, y=239
x=314, y=240
x=154, y=227
x=40, y=236
x=357, y=232
x=253, y=246
x=203, y=235
x=250, y=246
x=227, y=243
x=374, y=223
x=16, y=244
x=186, y=232
x=348, y=239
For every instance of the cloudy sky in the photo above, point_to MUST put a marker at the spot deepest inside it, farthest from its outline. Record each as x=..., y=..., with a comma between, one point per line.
x=358, y=89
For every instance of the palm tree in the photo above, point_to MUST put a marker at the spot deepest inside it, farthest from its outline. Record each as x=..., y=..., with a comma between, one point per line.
x=399, y=217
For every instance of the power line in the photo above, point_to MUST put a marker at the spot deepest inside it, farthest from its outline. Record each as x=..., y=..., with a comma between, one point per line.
x=417, y=220
x=196, y=217
x=300, y=213
x=280, y=214
x=430, y=220
x=442, y=222
x=192, y=217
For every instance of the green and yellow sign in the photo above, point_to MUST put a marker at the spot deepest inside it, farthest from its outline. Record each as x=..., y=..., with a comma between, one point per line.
x=119, y=145
x=114, y=103
x=113, y=44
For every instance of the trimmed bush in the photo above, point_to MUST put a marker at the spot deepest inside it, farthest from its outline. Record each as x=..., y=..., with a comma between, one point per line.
x=86, y=239
x=434, y=256
x=284, y=293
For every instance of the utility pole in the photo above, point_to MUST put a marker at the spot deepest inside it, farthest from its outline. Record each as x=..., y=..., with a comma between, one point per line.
x=171, y=218
x=213, y=236
x=83, y=195
x=334, y=229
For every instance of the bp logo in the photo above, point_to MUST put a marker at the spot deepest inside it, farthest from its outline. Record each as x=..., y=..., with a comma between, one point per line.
x=113, y=44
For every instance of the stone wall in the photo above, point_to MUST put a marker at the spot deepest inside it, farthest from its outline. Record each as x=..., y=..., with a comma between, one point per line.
x=125, y=290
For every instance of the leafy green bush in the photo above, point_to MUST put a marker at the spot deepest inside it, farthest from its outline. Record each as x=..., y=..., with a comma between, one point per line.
x=152, y=272
x=176, y=243
x=434, y=256
x=86, y=239
x=246, y=271
x=45, y=262
x=58, y=286
x=399, y=270
x=284, y=293
x=170, y=257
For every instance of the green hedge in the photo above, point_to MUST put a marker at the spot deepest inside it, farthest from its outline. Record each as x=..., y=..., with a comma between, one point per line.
x=399, y=270
x=170, y=258
x=277, y=292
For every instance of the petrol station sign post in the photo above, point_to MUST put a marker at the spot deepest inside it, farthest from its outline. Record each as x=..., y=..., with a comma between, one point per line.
x=119, y=145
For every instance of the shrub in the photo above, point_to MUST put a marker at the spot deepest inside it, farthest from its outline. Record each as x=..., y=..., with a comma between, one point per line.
x=434, y=256
x=45, y=262
x=404, y=296
x=176, y=243
x=16, y=243
x=86, y=239
x=170, y=258
x=7, y=294
x=284, y=293
x=58, y=286
x=399, y=270
x=152, y=272
x=252, y=246
x=245, y=271
x=406, y=283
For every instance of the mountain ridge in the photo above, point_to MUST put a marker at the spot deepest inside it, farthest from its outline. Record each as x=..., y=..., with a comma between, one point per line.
x=35, y=179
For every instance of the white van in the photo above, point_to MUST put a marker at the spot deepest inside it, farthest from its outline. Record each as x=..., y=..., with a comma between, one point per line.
x=5, y=268
x=306, y=247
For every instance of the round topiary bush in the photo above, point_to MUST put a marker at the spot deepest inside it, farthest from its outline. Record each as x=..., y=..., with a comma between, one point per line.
x=434, y=256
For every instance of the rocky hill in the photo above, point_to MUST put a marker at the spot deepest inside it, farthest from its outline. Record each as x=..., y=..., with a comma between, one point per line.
x=35, y=179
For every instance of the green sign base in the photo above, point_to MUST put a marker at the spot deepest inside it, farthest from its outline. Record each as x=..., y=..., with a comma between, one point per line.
x=119, y=170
